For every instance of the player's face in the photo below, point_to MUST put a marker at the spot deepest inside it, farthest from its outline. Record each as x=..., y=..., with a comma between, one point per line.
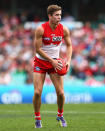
x=56, y=17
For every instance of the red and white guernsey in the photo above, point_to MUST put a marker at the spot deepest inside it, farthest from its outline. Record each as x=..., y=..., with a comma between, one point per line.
x=51, y=40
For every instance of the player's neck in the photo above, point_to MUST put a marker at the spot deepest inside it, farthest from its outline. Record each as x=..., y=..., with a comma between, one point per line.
x=53, y=26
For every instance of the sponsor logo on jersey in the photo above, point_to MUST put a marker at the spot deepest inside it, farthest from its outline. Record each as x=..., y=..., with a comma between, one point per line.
x=52, y=34
x=46, y=38
x=37, y=68
x=57, y=38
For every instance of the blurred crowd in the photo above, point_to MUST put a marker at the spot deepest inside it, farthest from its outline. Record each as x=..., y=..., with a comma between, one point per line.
x=88, y=59
x=17, y=51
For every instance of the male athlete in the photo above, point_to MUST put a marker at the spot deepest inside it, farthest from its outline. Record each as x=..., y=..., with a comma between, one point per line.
x=48, y=39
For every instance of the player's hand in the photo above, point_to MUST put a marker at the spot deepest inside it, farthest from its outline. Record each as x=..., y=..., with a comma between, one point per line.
x=68, y=65
x=57, y=64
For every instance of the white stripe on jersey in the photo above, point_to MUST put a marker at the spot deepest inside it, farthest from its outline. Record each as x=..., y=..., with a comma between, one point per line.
x=51, y=50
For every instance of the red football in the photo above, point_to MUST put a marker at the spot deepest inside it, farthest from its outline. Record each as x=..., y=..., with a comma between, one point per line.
x=63, y=71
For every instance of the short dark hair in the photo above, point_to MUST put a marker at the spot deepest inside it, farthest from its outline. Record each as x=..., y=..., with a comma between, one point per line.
x=52, y=8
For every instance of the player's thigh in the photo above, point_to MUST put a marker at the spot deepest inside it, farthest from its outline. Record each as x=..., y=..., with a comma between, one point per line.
x=38, y=80
x=57, y=80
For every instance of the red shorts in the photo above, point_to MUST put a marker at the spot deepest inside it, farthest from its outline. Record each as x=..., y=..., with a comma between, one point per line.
x=42, y=66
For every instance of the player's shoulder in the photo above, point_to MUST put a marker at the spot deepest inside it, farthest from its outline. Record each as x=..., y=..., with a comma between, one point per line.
x=42, y=27
x=39, y=30
x=66, y=30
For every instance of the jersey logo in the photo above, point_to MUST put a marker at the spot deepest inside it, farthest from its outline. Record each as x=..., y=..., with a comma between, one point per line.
x=46, y=38
x=56, y=38
x=37, y=68
x=52, y=34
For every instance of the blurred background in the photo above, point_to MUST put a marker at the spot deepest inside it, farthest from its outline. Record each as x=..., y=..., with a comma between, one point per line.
x=85, y=81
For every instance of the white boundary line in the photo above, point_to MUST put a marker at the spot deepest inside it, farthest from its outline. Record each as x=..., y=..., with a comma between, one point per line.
x=54, y=112
x=74, y=112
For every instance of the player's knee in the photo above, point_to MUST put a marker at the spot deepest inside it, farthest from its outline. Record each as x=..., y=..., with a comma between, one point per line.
x=37, y=93
x=60, y=94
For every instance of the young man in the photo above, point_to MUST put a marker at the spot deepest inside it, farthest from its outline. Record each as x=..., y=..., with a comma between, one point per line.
x=48, y=39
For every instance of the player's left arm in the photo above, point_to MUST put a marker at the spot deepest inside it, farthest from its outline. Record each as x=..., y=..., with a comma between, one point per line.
x=69, y=46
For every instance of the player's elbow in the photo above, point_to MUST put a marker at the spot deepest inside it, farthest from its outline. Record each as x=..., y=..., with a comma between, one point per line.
x=37, y=49
x=69, y=45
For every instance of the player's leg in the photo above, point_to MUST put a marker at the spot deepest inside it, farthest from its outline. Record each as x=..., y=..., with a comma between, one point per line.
x=58, y=83
x=38, y=80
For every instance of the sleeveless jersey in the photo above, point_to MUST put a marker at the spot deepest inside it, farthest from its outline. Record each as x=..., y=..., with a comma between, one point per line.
x=51, y=40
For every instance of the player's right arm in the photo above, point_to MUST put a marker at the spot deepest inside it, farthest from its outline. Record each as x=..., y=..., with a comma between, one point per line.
x=38, y=44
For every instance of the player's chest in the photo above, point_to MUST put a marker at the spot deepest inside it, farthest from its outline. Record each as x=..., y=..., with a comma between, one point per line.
x=52, y=38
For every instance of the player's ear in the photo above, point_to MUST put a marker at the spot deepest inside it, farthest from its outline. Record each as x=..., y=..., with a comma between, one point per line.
x=49, y=16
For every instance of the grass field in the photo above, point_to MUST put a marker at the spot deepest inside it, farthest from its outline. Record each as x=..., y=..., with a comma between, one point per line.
x=80, y=117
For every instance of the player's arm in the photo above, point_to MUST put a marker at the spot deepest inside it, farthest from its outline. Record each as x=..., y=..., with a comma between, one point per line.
x=69, y=46
x=38, y=44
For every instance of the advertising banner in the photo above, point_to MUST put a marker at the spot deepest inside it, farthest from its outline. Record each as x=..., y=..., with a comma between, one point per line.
x=73, y=94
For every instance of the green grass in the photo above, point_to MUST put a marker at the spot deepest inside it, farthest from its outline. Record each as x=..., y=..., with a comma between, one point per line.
x=80, y=117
